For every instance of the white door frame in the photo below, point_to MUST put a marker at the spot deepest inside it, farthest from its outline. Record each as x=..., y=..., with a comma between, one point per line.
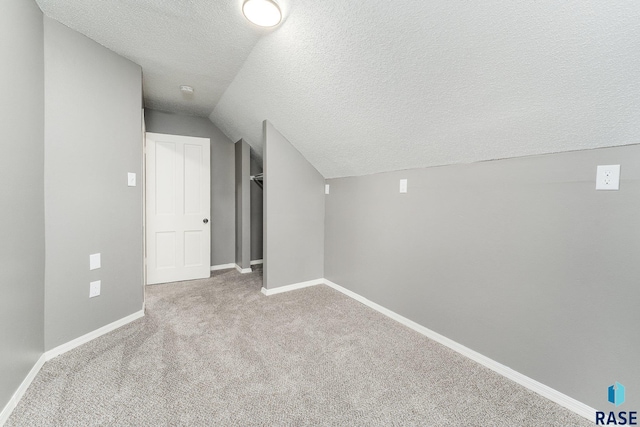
x=198, y=223
x=143, y=178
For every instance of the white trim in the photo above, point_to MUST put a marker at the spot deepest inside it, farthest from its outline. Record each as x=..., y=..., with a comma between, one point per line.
x=243, y=270
x=292, y=287
x=15, y=399
x=180, y=271
x=91, y=335
x=256, y=262
x=533, y=385
x=222, y=266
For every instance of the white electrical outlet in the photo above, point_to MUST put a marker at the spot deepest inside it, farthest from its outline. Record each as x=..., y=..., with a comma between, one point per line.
x=608, y=177
x=326, y=189
x=94, y=261
x=131, y=179
x=403, y=185
x=94, y=289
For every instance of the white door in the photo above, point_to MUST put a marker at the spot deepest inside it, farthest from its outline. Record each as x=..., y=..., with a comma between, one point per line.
x=178, y=208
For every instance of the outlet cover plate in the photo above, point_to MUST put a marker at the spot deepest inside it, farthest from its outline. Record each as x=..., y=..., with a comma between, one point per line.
x=608, y=177
x=94, y=261
x=94, y=289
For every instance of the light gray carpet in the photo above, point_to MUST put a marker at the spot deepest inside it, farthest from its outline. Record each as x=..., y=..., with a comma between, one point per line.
x=218, y=352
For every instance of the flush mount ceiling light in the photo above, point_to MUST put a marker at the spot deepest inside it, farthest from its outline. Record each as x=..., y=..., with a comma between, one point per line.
x=264, y=13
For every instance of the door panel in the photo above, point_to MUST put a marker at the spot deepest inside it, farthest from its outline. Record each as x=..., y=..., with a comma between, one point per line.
x=192, y=179
x=178, y=203
x=192, y=248
x=165, y=177
x=165, y=250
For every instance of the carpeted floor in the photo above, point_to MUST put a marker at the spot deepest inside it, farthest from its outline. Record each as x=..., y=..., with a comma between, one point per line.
x=219, y=352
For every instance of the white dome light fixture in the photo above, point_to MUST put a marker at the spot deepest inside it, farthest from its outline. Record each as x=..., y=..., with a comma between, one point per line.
x=265, y=13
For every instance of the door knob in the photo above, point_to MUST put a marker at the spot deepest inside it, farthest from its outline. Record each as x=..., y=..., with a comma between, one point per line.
x=205, y=220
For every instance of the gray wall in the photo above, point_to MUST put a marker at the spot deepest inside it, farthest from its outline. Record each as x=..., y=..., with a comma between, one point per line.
x=256, y=213
x=293, y=214
x=21, y=193
x=93, y=137
x=519, y=259
x=222, y=176
x=243, y=208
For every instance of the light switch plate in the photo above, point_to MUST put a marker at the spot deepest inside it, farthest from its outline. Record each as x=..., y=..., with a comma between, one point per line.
x=403, y=185
x=131, y=179
x=326, y=189
x=94, y=261
x=94, y=289
x=608, y=177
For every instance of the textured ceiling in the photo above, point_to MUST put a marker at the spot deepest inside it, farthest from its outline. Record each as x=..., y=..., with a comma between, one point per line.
x=364, y=87
x=201, y=43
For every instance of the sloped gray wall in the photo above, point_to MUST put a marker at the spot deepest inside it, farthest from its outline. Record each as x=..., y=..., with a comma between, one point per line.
x=293, y=214
x=521, y=260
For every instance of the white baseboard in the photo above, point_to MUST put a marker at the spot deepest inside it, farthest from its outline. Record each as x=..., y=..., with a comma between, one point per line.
x=256, y=261
x=91, y=335
x=292, y=287
x=13, y=402
x=222, y=266
x=533, y=385
x=243, y=270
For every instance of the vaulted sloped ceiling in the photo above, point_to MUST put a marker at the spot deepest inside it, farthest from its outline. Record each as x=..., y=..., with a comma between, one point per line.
x=364, y=87
x=202, y=43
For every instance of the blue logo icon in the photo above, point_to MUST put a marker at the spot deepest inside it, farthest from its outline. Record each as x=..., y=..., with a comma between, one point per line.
x=616, y=394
